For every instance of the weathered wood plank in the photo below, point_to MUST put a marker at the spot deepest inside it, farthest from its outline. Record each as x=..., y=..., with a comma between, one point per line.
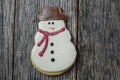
x=25, y=30
x=99, y=40
x=6, y=38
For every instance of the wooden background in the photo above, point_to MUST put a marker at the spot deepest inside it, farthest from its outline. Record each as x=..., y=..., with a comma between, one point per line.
x=95, y=30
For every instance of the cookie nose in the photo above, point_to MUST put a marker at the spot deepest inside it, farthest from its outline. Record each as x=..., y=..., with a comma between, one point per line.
x=52, y=28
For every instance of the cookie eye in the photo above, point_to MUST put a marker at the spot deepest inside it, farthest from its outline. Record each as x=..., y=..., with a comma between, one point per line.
x=49, y=23
x=52, y=23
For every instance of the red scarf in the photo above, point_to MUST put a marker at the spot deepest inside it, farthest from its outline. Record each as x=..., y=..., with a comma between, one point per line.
x=46, y=39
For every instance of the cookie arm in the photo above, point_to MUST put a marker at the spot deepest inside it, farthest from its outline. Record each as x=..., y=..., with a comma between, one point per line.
x=68, y=34
x=38, y=37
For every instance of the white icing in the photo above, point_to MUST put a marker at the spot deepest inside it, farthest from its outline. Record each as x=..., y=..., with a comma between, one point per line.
x=64, y=50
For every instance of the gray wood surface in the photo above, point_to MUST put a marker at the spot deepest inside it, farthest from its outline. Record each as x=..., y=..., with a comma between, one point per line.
x=99, y=40
x=6, y=39
x=95, y=30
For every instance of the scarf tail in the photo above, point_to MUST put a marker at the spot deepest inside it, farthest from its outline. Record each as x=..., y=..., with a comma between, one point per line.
x=41, y=41
x=44, y=49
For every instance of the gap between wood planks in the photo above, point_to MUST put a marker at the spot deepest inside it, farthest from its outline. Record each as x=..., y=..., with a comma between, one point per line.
x=14, y=38
x=78, y=5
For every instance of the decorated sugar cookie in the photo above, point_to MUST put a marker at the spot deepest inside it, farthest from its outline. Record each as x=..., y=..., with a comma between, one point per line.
x=53, y=52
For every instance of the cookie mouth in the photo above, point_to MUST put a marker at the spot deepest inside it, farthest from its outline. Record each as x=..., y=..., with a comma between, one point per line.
x=52, y=28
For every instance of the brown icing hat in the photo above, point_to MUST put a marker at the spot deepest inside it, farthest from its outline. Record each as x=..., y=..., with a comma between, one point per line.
x=51, y=13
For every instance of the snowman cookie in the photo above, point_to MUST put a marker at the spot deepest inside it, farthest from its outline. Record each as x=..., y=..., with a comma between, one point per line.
x=53, y=52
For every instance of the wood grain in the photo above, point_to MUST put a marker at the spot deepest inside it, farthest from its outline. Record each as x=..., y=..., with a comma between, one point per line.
x=6, y=39
x=95, y=30
x=99, y=40
x=25, y=30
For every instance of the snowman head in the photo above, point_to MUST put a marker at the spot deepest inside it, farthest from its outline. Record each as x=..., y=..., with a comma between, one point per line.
x=51, y=25
x=51, y=19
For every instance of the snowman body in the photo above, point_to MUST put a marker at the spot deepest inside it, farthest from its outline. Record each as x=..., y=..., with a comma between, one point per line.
x=60, y=53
